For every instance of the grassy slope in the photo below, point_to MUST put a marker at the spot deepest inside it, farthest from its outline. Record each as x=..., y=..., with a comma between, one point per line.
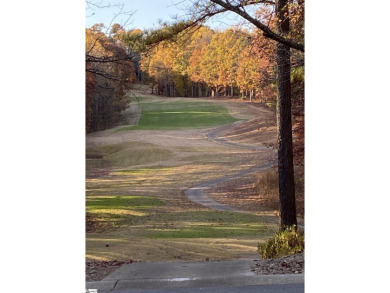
x=129, y=153
x=140, y=214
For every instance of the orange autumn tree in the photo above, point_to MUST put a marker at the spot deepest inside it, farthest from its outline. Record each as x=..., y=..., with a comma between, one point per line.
x=200, y=40
x=256, y=72
x=207, y=62
x=171, y=65
x=158, y=62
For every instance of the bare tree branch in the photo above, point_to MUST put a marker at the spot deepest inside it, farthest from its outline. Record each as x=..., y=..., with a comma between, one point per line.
x=107, y=59
x=267, y=32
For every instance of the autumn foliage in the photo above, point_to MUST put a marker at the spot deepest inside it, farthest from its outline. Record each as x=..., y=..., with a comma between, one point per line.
x=211, y=63
x=109, y=74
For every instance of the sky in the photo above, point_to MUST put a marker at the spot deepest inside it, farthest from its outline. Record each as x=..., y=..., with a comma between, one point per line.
x=147, y=13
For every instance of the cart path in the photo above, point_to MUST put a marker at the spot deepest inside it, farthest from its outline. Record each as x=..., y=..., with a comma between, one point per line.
x=197, y=193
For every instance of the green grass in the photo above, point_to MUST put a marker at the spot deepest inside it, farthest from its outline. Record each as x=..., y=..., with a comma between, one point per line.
x=205, y=224
x=181, y=114
x=112, y=211
x=213, y=217
x=121, y=202
x=96, y=163
x=129, y=154
x=209, y=232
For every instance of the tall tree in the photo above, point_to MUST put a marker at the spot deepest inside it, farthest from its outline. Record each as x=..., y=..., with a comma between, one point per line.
x=109, y=73
x=204, y=9
x=284, y=126
x=284, y=122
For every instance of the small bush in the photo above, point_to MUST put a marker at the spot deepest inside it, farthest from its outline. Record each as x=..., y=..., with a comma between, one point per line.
x=287, y=242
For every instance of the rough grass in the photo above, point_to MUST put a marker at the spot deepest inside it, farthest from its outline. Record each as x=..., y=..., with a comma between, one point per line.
x=209, y=231
x=205, y=224
x=96, y=203
x=111, y=211
x=180, y=114
x=268, y=187
x=159, y=224
x=141, y=215
x=189, y=235
x=129, y=154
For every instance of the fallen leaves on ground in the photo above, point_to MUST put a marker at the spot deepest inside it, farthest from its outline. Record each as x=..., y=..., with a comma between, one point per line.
x=292, y=264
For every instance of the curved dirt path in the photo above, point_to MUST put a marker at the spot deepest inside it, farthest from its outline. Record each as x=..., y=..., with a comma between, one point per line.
x=197, y=193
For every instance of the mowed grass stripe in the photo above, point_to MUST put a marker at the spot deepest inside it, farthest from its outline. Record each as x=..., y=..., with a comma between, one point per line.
x=181, y=114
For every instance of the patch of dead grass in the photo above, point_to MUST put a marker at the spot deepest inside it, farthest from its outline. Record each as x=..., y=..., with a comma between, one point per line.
x=267, y=186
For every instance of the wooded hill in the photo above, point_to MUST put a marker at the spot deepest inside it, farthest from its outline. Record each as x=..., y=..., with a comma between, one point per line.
x=200, y=62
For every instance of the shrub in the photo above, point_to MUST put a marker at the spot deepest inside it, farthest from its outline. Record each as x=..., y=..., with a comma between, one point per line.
x=286, y=242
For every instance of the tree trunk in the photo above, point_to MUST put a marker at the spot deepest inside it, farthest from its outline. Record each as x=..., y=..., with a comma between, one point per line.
x=185, y=86
x=199, y=90
x=284, y=125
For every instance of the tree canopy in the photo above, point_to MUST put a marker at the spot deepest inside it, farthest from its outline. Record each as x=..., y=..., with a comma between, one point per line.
x=109, y=72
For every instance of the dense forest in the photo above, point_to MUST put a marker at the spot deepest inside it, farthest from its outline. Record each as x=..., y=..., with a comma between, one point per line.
x=110, y=71
x=211, y=63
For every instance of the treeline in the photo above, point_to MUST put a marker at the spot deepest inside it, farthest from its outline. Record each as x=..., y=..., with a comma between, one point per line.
x=110, y=70
x=205, y=62
x=199, y=62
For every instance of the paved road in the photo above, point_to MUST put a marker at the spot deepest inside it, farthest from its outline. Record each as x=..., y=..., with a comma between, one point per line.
x=197, y=193
x=214, y=135
x=282, y=288
x=213, y=276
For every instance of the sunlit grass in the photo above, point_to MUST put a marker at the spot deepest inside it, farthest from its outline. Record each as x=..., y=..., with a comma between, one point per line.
x=189, y=235
x=208, y=232
x=146, y=249
x=143, y=171
x=206, y=224
x=165, y=115
x=111, y=211
x=116, y=202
